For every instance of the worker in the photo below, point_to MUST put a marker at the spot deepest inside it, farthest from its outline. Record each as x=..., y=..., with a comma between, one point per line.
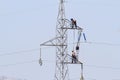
x=74, y=59
x=73, y=23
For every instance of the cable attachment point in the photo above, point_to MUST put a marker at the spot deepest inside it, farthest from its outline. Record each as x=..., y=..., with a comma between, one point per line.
x=40, y=62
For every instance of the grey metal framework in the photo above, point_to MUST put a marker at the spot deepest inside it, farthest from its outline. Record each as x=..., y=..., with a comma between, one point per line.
x=61, y=44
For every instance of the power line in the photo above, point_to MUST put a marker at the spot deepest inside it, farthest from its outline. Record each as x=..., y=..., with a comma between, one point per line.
x=18, y=63
x=99, y=43
x=19, y=52
x=51, y=61
x=104, y=67
x=25, y=62
x=22, y=51
x=37, y=49
x=104, y=43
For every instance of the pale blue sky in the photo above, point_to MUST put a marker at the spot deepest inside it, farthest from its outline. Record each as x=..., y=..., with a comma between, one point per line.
x=24, y=24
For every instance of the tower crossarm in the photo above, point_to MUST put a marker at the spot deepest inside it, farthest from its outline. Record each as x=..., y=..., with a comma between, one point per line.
x=52, y=42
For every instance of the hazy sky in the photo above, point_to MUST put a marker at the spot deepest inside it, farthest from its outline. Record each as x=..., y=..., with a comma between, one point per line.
x=24, y=24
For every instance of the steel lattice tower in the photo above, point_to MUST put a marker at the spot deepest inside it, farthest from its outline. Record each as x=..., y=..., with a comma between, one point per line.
x=61, y=44
x=61, y=50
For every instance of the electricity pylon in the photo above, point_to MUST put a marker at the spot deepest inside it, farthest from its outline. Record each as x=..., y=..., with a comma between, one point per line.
x=61, y=44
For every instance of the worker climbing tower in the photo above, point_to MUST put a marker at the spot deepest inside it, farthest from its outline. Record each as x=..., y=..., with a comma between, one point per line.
x=61, y=44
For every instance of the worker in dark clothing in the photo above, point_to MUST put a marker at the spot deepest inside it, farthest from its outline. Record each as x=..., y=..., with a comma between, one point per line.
x=73, y=23
x=74, y=59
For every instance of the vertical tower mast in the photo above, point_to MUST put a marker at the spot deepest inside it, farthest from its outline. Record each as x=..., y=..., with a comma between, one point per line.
x=61, y=50
x=61, y=44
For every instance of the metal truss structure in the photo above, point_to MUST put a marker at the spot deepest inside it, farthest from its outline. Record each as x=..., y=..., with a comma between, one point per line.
x=61, y=44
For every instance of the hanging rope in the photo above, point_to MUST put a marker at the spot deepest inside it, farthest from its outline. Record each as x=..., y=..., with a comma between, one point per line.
x=40, y=60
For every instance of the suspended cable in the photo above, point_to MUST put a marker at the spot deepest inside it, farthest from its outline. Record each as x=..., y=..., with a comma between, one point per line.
x=22, y=51
x=51, y=61
x=99, y=43
x=104, y=67
x=104, y=43
x=37, y=49
x=25, y=62
x=19, y=63
x=18, y=52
